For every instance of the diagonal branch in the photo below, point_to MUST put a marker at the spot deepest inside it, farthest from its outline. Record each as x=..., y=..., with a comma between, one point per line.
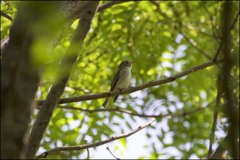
x=112, y=154
x=195, y=45
x=219, y=93
x=85, y=146
x=56, y=91
x=221, y=44
x=211, y=20
x=140, y=87
x=6, y=16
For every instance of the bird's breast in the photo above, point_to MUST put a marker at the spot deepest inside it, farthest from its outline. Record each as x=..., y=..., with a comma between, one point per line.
x=125, y=78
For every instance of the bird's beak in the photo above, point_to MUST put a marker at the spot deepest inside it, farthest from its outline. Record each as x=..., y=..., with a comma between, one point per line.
x=132, y=62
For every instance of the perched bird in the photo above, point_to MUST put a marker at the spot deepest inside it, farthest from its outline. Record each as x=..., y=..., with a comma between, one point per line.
x=121, y=79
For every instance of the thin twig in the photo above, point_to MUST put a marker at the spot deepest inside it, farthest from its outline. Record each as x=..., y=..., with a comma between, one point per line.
x=215, y=117
x=192, y=144
x=199, y=31
x=112, y=154
x=108, y=4
x=87, y=150
x=117, y=109
x=195, y=45
x=211, y=19
x=157, y=4
x=81, y=147
x=221, y=44
x=136, y=88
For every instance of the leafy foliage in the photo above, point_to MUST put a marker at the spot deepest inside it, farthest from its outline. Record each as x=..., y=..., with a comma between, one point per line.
x=162, y=41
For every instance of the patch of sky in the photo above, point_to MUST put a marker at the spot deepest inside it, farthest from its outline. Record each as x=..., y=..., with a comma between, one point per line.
x=179, y=105
x=179, y=53
x=52, y=146
x=159, y=68
x=177, y=67
x=132, y=25
x=59, y=143
x=167, y=64
x=74, y=124
x=168, y=56
x=68, y=115
x=172, y=108
x=203, y=94
x=170, y=48
x=64, y=128
x=186, y=124
x=167, y=73
x=204, y=104
x=179, y=38
x=136, y=18
x=174, y=84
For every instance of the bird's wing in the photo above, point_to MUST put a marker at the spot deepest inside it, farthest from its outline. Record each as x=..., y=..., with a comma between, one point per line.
x=115, y=80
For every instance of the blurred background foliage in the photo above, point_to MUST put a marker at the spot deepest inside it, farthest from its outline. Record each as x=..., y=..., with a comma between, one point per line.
x=163, y=38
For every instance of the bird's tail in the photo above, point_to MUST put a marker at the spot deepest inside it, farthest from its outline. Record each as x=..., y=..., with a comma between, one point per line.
x=105, y=102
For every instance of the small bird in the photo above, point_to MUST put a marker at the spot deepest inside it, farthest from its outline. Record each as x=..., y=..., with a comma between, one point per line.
x=121, y=79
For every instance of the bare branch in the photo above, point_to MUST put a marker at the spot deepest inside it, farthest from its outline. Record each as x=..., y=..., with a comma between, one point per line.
x=234, y=21
x=211, y=19
x=215, y=117
x=199, y=31
x=87, y=150
x=112, y=154
x=77, y=12
x=140, y=87
x=157, y=4
x=221, y=44
x=6, y=16
x=109, y=4
x=117, y=109
x=81, y=147
x=195, y=46
x=4, y=41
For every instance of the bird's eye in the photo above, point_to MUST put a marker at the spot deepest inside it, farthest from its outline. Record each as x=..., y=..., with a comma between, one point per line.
x=127, y=62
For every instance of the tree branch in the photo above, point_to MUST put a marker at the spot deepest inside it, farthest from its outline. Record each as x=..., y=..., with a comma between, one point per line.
x=211, y=19
x=219, y=93
x=132, y=113
x=195, y=45
x=157, y=4
x=109, y=4
x=88, y=154
x=6, y=16
x=81, y=147
x=140, y=87
x=112, y=154
x=221, y=44
x=56, y=91
x=230, y=109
